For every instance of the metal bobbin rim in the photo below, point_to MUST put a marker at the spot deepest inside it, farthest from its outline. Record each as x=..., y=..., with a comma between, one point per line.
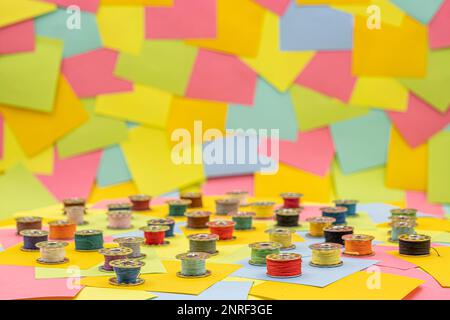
x=28, y=219
x=115, y=282
x=326, y=266
x=179, y=202
x=263, y=204
x=28, y=250
x=203, y=237
x=119, y=213
x=57, y=223
x=160, y=221
x=221, y=223
x=191, y=195
x=206, y=274
x=242, y=214
x=154, y=228
x=404, y=211
x=193, y=256
x=227, y=201
x=291, y=195
x=357, y=237
x=33, y=233
x=120, y=205
x=414, y=237
x=74, y=201
x=338, y=228
x=279, y=230
x=165, y=243
x=114, y=252
x=41, y=261
x=288, y=211
x=321, y=220
x=355, y=254
x=52, y=244
x=334, y=210
x=236, y=192
x=198, y=214
x=325, y=246
x=88, y=232
x=345, y=201
x=127, y=263
x=129, y=240
x=284, y=256
x=265, y=245
x=140, y=197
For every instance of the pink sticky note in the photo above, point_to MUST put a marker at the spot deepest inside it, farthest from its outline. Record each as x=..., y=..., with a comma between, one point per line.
x=329, y=73
x=418, y=200
x=220, y=186
x=23, y=285
x=185, y=19
x=439, y=27
x=103, y=204
x=310, y=212
x=72, y=177
x=85, y=5
x=9, y=238
x=387, y=260
x=221, y=77
x=419, y=122
x=91, y=73
x=18, y=37
x=277, y=6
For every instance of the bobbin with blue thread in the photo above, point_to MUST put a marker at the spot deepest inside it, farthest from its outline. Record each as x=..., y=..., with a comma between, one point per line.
x=167, y=222
x=178, y=207
x=120, y=206
x=193, y=265
x=399, y=228
x=349, y=204
x=338, y=213
x=112, y=254
x=127, y=272
x=88, y=240
x=32, y=237
x=134, y=243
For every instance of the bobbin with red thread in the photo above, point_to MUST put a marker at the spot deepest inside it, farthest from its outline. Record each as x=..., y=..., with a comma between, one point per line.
x=291, y=200
x=223, y=228
x=284, y=265
x=197, y=219
x=155, y=235
x=140, y=202
x=195, y=197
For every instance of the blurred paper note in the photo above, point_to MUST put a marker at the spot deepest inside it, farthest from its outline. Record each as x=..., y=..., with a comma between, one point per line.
x=421, y=10
x=113, y=168
x=85, y=5
x=438, y=168
x=137, y=2
x=20, y=10
x=91, y=293
x=18, y=37
x=277, y=6
x=439, y=28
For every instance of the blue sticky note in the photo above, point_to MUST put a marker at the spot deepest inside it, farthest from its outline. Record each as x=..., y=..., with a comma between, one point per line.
x=223, y=290
x=76, y=41
x=422, y=10
x=315, y=28
x=311, y=276
x=447, y=208
x=271, y=110
x=113, y=168
x=362, y=143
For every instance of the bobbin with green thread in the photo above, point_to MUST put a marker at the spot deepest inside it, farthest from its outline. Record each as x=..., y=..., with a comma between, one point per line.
x=88, y=240
x=408, y=212
x=178, y=207
x=243, y=220
x=260, y=250
x=203, y=242
x=120, y=206
x=193, y=265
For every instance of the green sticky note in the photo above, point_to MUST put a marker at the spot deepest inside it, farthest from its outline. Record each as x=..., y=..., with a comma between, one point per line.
x=315, y=110
x=366, y=186
x=20, y=191
x=439, y=168
x=29, y=80
x=434, y=88
x=98, y=132
x=165, y=65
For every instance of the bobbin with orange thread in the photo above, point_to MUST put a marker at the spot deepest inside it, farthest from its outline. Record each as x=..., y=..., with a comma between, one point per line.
x=291, y=200
x=358, y=245
x=155, y=235
x=28, y=223
x=195, y=197
x=62, y=230
x=197, y=219
x=140, y=202
x=223, y=228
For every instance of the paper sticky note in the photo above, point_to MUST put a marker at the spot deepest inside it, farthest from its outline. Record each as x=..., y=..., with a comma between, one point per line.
x=390, y=51
x=91, y=73
x=362, y=143
x=85, y=5
x=146, y=105
x=221, y=77
x=148, y=154
x=432, y=88
x=279, y=68
x=77, y=39
x=277, y=6
x=406, y=167
x=194, y=19
x=169, y=282
x=418, y=200
x=366, y=186
x=219, y=186
x=314, y=188
x=330, y=74
x=121, y=28
x=19, y=89
x=19, y=178
x=315, y=28
x=20, y=10
x=91, y=293
x=137, y=2
x=431, y=121
x=438, y=27
x=241, y=38
x=2, y=135
x=367, y=90
x=263, y=115
x=165, y=65
x=314, y=110
x=438, y=169
x=18, y=37
x=113, y=168
x=353, y=287
x=36, y=131
x=423, y=11
x=96, y=133
x=121, y=190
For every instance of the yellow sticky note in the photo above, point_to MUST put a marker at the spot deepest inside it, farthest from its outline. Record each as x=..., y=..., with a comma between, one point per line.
x=314, y=188
x=122, y=190
x=239, y=27
x=170, y=282
x=303, y=2
x=146, y=105
x=367, y=93
x=209, y=114
x=406, y=167
x=279, y=68
x=20, y=10
x=121, y=27
x=162, y=3
x=90, y=293
x=438, y=168
x=353, y=287
x=390, y=51
x=36, y=131
x=149, y=156
x=42, y=163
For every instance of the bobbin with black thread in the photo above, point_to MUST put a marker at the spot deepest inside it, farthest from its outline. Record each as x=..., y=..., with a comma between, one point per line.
x=287, y=217
x=334, y=234
x=418, y=245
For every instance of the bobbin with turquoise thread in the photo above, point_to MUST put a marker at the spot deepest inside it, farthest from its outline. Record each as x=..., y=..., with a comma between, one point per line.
x=127, y=272
x=120, y=206
x=168, y=222
x=31, y=237
x=349, y=204
x=399, y=228
x=339, y=213
x=193, y=265
x=178, y=207
x=243, y=220
x=88, y=240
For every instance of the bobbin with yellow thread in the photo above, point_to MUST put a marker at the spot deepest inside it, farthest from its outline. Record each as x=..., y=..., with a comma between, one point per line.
x=263, y=209
x=326, y=255
x=317, y=225
x=240, y=195
x=282, y=236
x=358, y=245
x=52, y=252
